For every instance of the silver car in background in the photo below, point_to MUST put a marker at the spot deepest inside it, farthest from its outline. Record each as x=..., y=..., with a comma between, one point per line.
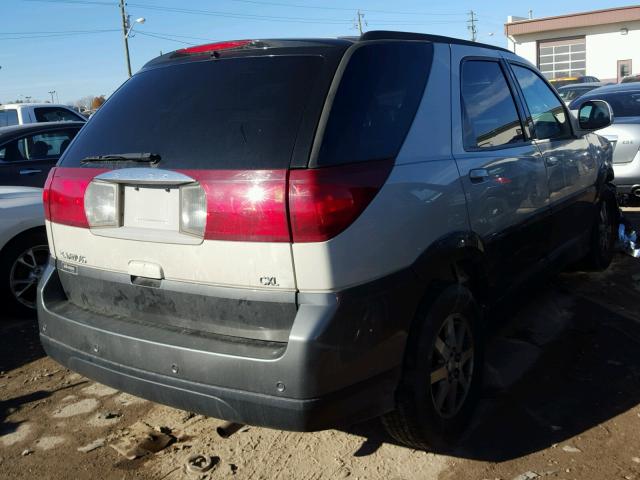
x=624, y=133
x=569, y=93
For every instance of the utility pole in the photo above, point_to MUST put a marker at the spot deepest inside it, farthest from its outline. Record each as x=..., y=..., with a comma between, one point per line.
x=473, y=29
x=51, y=93
x=125, y=35
x=360, y=18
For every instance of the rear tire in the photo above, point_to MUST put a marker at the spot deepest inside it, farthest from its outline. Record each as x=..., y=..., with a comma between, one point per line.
x=442, y=374
x=22, y=262
x=603, y=235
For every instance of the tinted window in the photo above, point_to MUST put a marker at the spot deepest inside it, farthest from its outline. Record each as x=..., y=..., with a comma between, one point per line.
x=42, y=146
x=549, y=118
x=8, y=117
x=55, y=114
x=235, y=113
x=14, y=151
x=50, y=144
x=376, y=102
x=624, y=104
x=489, y=111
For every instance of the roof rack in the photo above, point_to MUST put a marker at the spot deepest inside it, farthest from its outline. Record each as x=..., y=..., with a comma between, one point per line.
x=390, y=35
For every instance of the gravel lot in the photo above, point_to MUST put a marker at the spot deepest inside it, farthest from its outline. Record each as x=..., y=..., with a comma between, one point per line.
x=561, y=400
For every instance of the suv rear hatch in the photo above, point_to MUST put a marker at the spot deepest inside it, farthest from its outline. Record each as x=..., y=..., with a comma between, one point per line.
x=179, y=201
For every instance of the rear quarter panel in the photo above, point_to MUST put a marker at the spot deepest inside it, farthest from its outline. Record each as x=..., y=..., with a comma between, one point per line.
x=421, y=202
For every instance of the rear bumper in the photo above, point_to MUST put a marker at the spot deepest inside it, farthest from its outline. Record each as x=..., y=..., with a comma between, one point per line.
x=362, y=401
x=341, y=363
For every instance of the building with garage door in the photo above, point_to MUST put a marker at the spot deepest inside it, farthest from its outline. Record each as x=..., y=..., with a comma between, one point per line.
x=601, y=43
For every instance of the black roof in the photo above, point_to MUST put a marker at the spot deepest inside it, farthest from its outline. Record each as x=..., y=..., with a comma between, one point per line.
x=307, y=45
x=391, y=35
x=18, y=130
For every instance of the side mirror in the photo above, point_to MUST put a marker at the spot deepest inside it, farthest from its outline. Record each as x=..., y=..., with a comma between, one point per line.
x=594, y=115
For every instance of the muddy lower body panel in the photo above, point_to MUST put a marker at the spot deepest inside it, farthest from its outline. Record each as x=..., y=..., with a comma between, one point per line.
x=339, y=363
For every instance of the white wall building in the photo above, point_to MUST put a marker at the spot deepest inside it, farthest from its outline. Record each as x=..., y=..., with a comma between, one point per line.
x=601, y=43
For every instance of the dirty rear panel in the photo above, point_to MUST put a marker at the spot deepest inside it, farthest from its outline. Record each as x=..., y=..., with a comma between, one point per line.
x=230, y=124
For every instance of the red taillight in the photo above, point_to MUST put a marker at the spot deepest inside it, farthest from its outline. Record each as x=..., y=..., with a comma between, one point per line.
x=214, y=47
x=248, y=205
x=245, y=205
x=46, y=192
x=64, y=195
x=324, y=201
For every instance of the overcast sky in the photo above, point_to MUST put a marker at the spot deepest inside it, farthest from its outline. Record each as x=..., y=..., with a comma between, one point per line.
x=75, y=46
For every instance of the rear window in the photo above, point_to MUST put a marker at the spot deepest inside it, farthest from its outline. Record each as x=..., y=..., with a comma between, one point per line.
x=8, y=117
x=236, y=113
x=624, y=104
x=376, y=102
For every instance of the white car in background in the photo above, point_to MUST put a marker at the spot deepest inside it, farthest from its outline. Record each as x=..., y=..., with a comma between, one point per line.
x=23, y=248
x=21, y=113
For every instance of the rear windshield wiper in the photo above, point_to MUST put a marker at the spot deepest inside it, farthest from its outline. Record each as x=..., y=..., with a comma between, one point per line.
x=124, y=157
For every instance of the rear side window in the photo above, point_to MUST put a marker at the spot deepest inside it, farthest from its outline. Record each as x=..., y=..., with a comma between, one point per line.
x=55, y=114
x=490, y=118
x=549, y=118
x=236, y=113
x=50, y=144
x=42, y=146
x=376, y=102
x=8, y=117
x=624, y=104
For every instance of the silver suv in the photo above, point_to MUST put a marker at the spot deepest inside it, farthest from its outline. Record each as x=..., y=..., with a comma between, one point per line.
x=306, y=233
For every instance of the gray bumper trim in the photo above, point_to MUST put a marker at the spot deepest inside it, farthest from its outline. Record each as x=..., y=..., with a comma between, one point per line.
x=357, y=403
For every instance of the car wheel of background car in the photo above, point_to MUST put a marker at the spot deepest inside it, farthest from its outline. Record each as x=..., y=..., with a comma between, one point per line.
x=603, y=235
x=22, y=262
x=442, y=372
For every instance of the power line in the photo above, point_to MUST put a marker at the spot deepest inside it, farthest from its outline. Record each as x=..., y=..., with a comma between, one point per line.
x=162, y=37
x=275, y=4
x=53, y=32
x=216, y=13
x=57, y=35
x=270, y=18
x=76, y=2
x=291, y=5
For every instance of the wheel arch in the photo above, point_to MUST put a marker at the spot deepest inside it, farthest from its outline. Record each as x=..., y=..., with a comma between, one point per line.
x=459, y=258
x=23, y=233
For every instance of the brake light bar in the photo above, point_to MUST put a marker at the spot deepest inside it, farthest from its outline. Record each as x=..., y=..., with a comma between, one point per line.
x=214, y=47
x=323, y=202
x=306, y=205
x=245, y=205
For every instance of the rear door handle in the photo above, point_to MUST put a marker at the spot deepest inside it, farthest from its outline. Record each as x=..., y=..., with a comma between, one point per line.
x=30, y=171
x=551, y=161
x=478, y=175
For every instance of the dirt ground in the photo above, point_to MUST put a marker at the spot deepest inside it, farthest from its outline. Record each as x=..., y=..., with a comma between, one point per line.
x=561, y=400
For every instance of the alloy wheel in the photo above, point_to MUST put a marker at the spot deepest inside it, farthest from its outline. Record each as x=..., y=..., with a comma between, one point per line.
x=452, y=365
x=26, y=272
x=604, y=228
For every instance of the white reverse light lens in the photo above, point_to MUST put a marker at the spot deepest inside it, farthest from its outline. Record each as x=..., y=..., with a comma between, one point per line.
x=193, y=210
x=101, y=204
